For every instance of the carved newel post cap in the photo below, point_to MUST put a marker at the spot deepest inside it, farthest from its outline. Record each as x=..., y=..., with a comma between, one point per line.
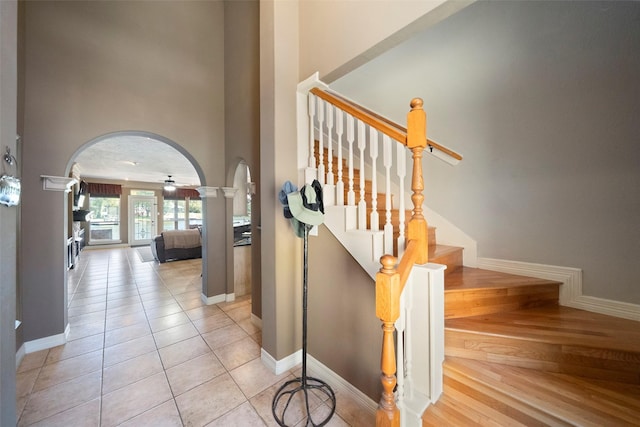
x=416, y=103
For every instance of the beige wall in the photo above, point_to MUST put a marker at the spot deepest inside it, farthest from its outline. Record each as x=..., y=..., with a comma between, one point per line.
x=93, y=68
x=338, y=36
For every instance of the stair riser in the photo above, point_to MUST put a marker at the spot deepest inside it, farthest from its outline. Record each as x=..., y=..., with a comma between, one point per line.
x=476, y=302
x=612, y=365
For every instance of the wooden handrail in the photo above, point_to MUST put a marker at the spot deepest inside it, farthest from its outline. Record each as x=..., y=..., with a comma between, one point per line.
x=382, y=124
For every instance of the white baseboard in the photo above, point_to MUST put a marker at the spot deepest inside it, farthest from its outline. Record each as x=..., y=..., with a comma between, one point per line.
x=282, y=365
x=216, y=299
x=230, y=297
x=340, y=385
x=571, y=289
x=46, y=342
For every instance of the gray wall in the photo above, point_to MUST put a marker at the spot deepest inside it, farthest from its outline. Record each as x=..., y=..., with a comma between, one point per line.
x=242, y=117
x=8, y=215
x=93, y=68
x=543, y=100
x=343, y=331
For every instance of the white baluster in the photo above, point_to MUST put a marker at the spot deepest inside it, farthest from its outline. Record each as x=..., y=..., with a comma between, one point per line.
x=401, y=327
x=340, y=183
x=374, y=218
x=387, y=160
x=312, y=142
x=351, y=195
x=362, y=204
x=408, y=340
x=329, y=189
x=401, y=171
x=321, y=177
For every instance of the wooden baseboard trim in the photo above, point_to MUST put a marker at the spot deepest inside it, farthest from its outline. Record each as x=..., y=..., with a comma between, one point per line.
x=571, y=289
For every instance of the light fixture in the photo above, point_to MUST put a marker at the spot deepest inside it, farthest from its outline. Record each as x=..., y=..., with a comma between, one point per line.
x=169, y=184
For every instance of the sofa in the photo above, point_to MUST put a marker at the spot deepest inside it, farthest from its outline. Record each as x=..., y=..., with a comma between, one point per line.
x=177, y=244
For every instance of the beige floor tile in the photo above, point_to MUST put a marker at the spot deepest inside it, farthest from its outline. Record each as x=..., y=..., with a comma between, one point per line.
x=25, y=381
x=262, y=403
x=68, y=369
x=254, y=377
x=130, y=371
x=223, y=336
x=175, y=334
x=182, y=351
x=84, y=415
x=321, y=414
x=205, y=403
x=78, y=301
x=166, y=322
x=238, y=302
x=201, y=311
x=163, y=310
x=120, y=310
x=33, y=360
x=210, y=323
x=82, y=330
x=75, y=348
x=128, y=333
x=85, y=309
x=194, y=372
x=134, y=399
x=165, y=415
x=242, y=416
x=115, y=322
x=248, y=326
x=128, y=350
x=238, y=353
x=257, y=337
x=158, y=302
x=53, y=400
x=240, y=313
x=87, y=318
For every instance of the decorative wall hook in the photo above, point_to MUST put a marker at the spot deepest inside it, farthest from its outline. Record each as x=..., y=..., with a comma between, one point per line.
x=9, y=158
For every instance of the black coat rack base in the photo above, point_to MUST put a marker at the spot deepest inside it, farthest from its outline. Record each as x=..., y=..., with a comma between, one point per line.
x=304, y=384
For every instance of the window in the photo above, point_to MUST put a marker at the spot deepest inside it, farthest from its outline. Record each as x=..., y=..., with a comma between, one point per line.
x=104, y=224
x=176, y=216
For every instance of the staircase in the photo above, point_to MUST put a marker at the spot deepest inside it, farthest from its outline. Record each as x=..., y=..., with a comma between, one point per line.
x=514, y=357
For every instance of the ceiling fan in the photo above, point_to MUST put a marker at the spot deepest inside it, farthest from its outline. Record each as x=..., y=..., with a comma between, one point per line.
x=169, y=184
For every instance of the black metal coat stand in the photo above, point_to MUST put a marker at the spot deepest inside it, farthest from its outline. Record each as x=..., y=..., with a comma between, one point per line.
x=303, y=384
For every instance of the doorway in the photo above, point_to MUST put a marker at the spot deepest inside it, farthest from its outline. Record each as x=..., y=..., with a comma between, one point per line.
x=143, y=214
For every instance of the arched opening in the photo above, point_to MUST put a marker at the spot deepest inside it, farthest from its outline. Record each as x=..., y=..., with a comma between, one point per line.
x=242, y=229
x=123, y=197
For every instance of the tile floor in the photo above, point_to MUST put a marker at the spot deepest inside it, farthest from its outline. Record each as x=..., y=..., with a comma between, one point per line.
x=143, y=350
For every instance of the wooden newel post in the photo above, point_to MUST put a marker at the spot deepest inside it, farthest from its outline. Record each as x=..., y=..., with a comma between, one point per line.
x=417, y=142
x=388, y=288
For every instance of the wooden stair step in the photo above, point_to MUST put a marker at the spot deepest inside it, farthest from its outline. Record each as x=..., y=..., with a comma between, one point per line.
x=473, y=292
x=533, y=398
x=551, y=338
x=451, y=256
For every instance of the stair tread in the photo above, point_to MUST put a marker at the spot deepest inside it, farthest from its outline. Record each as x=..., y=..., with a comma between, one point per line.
x=569, y=398
x=556, y=324
x=466, y=278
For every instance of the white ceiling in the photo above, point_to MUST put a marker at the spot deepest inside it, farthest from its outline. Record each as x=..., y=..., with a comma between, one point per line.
x=136, y=158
